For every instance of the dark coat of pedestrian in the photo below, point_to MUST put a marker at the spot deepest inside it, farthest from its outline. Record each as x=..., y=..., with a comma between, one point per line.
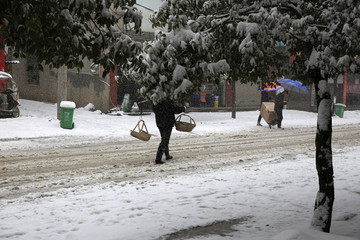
x=279, y=105
x=165, y=119
x=264, y=98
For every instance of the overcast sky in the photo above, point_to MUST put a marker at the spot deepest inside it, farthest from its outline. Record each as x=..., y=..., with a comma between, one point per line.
x=148, y=4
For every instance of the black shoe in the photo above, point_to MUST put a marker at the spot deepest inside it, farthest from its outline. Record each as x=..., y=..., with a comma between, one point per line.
x=159, y=162
x=258, y=124
x=269, y=125
x=169, y=157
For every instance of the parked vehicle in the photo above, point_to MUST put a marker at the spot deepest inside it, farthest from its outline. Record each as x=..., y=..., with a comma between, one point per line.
x=9, y=96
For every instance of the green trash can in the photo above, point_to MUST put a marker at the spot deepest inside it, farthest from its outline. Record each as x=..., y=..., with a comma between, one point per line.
x=125, y=102
x=339, y=109
x=66, y=114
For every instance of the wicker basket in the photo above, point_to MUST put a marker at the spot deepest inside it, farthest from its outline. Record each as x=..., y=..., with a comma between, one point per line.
x=184, y=126
x=140, y=131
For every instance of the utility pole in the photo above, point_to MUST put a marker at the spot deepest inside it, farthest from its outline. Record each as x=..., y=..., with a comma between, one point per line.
x=61, y=88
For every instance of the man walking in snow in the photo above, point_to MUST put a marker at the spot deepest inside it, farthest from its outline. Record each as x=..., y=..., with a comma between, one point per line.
x=165, y=119
x=279, y=105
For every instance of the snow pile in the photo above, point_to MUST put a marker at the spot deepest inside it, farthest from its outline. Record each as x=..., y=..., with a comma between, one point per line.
x=67, y=104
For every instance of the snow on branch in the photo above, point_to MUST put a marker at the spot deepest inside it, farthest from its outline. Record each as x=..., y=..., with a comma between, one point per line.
x=219, y=67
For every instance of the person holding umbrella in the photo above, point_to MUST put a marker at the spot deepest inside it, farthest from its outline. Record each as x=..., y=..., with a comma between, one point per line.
x=279, y=105
x=268, y=87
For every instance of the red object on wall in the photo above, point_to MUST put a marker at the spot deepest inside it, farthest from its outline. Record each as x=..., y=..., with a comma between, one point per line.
x=353, y=88
x=113, y=89
x=2, y=60
x=228, y=94
x=291, y=59
x=2, y=53
x=203, y=97
x=345, y=88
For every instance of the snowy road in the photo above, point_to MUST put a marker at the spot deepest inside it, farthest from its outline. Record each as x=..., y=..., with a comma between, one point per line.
x=74, y=161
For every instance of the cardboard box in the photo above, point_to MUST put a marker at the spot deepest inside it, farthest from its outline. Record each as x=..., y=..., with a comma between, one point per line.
x=267, y=111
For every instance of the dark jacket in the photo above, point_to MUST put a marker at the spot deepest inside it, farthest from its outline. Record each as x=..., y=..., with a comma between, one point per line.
x=264, y=96
x=279, y=101
x=165, y=113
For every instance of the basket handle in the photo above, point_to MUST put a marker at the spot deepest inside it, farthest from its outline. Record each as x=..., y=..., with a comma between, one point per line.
x=142, y=126
x=192, y=121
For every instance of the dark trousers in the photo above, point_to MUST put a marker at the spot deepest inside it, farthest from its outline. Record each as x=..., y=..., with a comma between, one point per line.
x=279, y=118
x=164, y=144
x=260, y=117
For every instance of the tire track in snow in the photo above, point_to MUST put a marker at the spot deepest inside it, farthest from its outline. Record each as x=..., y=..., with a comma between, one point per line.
x=30, y=171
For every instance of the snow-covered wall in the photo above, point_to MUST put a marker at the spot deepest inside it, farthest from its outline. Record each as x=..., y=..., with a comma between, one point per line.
x=83, y=88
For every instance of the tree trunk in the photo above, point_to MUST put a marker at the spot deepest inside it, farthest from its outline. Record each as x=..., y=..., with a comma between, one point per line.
x=233, y=99
x=325, y=196
x=335, y=89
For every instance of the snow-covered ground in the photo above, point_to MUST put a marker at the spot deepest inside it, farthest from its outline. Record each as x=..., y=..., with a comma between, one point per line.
x=268, y=199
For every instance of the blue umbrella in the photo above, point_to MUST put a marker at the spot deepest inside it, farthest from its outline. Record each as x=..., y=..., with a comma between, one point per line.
x=293, y=85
